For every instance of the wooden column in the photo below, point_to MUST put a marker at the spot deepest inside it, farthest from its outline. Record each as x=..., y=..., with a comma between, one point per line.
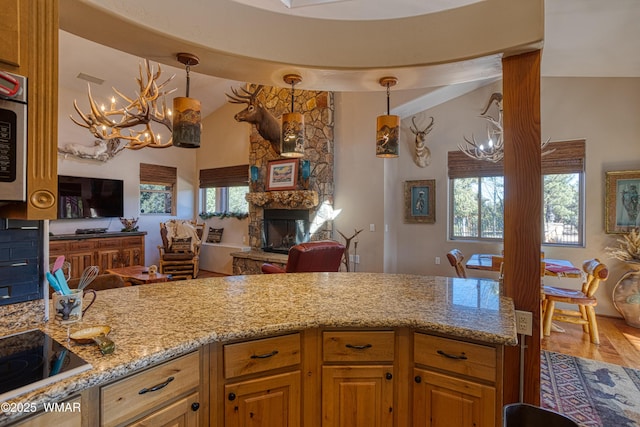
x=523, y=193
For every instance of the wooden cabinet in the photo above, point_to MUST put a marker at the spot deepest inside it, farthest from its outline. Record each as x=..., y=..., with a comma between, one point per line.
x=358, y=378
x=65, y=414
x=108, y=252
x=455, y=383
x=167, y=394
x=262, y=382
x=29, y=48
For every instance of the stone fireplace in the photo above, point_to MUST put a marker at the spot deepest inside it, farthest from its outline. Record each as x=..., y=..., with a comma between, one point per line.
x=283, y=228
x=313, y=195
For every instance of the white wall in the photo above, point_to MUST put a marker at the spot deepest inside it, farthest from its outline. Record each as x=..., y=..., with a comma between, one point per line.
x=603, y=111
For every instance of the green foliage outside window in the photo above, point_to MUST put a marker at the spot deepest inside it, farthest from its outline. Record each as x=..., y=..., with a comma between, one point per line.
x=156, y=199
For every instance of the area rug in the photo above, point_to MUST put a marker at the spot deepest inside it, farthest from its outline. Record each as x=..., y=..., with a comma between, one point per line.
x=594, y=394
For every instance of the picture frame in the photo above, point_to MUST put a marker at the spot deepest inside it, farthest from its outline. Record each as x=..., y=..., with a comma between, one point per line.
x=282, y=174
x=622, y=201
x=420, y=201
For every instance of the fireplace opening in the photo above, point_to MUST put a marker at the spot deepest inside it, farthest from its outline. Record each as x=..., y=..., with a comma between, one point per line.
x=283, y=228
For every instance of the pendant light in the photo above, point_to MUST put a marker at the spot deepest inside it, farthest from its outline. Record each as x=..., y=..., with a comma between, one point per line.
x=292, y=125
x=388, y=127
x=186, y=111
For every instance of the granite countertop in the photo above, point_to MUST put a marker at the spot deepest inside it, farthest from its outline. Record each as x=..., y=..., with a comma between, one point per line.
x=153, y=323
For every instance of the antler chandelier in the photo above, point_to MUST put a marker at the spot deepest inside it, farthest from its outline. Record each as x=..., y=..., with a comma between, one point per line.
x=493, y=149
x=136, y=116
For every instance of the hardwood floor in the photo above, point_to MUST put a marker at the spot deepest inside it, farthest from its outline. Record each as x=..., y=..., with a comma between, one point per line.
x=204, y=273
x=619, y=342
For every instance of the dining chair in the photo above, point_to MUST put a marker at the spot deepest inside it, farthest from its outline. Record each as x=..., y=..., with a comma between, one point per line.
x=455, y=258
x=595, y=272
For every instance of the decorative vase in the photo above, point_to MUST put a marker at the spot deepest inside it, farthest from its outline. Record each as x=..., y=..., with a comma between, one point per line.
x=626, y=295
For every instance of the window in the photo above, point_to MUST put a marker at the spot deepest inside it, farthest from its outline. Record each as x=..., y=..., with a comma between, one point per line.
x=477, y=196
x=157, y=189
x=223, y=190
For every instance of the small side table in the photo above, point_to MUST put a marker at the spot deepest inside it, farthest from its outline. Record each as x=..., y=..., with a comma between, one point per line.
x=138, y=275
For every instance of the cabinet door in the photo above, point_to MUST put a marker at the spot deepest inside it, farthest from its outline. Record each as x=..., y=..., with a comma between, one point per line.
x=66, y=414
x=264, y=402
x=79, y=261
x=183, y=413
x=132, y=256
x=445, y=401
x=109, y=258
x=357, y=396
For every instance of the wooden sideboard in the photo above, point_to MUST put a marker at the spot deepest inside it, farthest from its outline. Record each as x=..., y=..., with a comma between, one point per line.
x=109, y=250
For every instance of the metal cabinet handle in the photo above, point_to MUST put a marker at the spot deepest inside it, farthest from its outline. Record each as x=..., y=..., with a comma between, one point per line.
x=232, y=396
x=359, y=347
x=195, y=406
x=157, y=386
x=389, y=375
x=264, y=356
x=418, y=379
x=452, y=356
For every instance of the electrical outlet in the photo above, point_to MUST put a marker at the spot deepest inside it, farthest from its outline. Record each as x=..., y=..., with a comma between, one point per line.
x=357, y=259
x=437, y=260
x=524, y=322
x=350, y=258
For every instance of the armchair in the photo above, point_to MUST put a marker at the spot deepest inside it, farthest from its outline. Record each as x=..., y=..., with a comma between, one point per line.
x=180, y=250
x=322, y=255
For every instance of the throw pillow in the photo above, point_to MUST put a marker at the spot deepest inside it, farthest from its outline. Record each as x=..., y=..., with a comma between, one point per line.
x=179, y=244
x=215, y=235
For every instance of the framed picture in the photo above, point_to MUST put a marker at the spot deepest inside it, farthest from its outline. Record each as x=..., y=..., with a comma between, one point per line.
x=622, y=205
x=420, y=201
x=282, y=174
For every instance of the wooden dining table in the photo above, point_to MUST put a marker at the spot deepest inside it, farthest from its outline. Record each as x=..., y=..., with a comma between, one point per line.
x=553, y=267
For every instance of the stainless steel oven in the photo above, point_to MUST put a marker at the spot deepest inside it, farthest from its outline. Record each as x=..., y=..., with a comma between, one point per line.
x=13, y=136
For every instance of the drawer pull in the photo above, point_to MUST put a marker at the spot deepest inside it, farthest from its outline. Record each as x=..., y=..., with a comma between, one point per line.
x=157, y=386
x=195, y=406
x=359, y=347
x=452, y=356
x=264, y=356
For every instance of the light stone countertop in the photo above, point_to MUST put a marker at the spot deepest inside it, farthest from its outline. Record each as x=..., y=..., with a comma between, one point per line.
x=156, y=322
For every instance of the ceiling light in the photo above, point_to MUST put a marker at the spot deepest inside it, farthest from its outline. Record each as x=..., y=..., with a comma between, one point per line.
x=388, y=126
x=187, y=118
x=292, y=125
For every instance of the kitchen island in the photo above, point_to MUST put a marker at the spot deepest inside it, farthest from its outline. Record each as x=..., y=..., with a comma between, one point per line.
x=156, y=323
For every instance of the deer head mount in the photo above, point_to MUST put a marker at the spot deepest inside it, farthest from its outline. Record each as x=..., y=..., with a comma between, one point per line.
x=137, y=116
x=255, y=113
x=422, y=154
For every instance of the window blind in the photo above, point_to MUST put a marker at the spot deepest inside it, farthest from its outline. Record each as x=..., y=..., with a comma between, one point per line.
x=158, y=174
x=230, y=176
x=566, y=157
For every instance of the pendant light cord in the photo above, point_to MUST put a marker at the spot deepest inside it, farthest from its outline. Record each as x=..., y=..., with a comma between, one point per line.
x=388, y=93
x=292, y=85
x=188, y=79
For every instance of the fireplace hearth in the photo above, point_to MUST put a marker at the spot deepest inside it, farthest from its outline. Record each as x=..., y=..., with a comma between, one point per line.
x=284, y=228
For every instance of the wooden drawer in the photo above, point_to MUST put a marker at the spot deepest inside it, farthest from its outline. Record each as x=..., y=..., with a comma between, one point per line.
x=81, y=245
x=121, y=401
x=464, y=358
x=131, y=241
x=261, y=355
x=57, y=247
x=357, y=346
x=110, y=243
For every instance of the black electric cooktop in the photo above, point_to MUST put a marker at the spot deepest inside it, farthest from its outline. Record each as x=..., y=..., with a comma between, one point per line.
x=32, y=359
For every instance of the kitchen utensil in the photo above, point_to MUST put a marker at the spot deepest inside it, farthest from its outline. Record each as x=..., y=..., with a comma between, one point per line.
x=88, y=275
x=54, y=283
x=57, y=265
x=62, y=281
x=96, y=334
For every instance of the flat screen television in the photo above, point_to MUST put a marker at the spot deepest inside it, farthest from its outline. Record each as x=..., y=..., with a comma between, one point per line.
x=84, y=197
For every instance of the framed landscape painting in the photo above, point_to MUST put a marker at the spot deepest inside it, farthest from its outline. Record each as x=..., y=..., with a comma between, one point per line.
x=622, y=204
x=420, y=201
x=282, y=174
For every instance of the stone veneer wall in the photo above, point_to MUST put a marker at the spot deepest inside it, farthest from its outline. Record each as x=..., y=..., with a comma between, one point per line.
x=318, y=110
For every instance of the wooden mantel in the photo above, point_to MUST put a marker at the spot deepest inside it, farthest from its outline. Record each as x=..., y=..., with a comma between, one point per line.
x=293, y=199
